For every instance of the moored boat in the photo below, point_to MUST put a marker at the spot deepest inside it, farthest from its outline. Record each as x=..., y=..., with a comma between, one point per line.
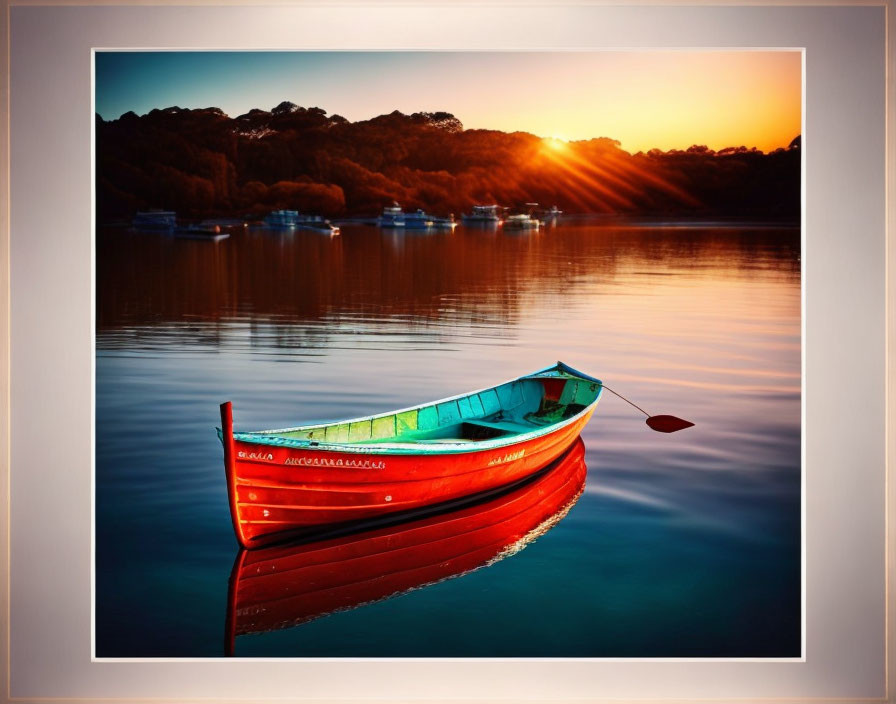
x=294, y=480
x=317, y=223
x=284, y=586
x=282, y=219
x=483, y=215
x=521, y=222
x=294, y=220
x=421, y=220
x=392, y=216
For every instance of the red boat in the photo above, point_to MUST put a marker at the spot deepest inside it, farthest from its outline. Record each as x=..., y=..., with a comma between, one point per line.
x=281, y=587
x=290, y=481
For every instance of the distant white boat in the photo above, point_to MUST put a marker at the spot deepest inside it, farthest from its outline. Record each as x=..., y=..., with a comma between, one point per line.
x=294, y=220
x=420, y=220
x=393, y=216
x=282, y=219
x=521, y=222
x=552, y=212
x=483, y=215
x=155, y=220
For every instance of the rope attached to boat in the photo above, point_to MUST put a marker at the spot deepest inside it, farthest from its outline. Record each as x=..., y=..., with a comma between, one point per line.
x=616, y=393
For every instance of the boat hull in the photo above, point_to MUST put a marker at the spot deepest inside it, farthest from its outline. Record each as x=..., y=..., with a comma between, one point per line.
x=279, y=492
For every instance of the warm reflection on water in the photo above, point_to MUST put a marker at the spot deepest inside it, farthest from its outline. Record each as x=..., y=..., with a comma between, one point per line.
x=470, y=277
x=694, y=534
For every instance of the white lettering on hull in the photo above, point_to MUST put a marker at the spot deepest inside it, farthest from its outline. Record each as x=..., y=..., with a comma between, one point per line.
x=507, y=458
x=265, y=457
x=329, y=462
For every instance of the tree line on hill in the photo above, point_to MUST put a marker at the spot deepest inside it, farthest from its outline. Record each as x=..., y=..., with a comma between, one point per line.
x=204, y=163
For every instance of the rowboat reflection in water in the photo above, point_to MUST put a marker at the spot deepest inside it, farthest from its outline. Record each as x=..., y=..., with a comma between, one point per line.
x=284, y=586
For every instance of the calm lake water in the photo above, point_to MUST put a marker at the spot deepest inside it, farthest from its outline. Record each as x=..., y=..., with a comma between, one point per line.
x=682, y=545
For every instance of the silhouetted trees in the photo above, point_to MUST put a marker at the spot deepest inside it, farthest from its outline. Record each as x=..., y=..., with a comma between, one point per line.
x=202, y=162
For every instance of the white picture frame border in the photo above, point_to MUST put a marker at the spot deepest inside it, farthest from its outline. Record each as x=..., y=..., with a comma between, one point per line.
x=47, y=263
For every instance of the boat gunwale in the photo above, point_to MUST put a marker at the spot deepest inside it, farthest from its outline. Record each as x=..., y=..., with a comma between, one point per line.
x=273, y=439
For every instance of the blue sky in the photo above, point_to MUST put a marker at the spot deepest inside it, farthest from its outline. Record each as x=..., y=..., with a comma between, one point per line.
x=354, y=84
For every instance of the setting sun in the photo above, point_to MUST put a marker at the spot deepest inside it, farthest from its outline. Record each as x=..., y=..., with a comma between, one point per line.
x=555, y=142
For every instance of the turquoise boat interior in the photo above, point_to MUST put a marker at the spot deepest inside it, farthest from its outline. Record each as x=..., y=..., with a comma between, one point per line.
x=524, y=405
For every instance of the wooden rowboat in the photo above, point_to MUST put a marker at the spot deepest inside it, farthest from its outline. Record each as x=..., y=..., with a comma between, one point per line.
x=294, y=480
x=284, y=586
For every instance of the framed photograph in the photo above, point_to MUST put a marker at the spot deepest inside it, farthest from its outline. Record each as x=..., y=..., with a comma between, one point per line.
x=449, y=260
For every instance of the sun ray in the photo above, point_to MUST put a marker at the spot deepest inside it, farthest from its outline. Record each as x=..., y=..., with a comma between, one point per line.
x=613, y=171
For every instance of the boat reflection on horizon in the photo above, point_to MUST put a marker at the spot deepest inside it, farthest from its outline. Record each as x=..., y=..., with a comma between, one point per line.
x=284, y=586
